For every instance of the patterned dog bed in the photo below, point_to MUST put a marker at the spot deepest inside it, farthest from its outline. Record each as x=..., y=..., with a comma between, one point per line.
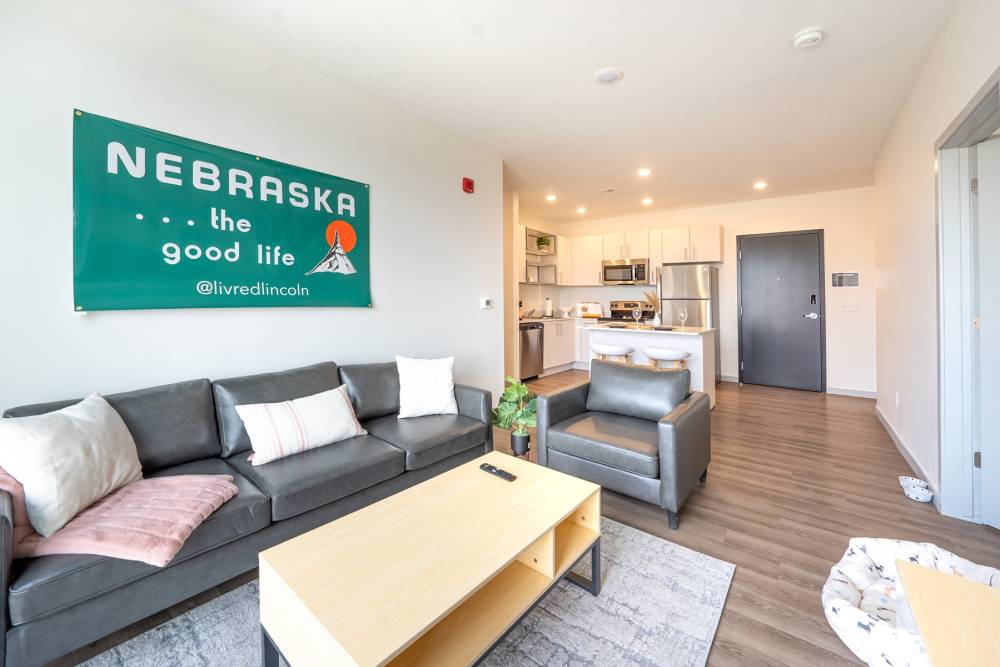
x=866, y=606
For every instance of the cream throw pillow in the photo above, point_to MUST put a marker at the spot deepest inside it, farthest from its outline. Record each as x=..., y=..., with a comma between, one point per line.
x=278, y=430
x=68, y=459
x=426, y=387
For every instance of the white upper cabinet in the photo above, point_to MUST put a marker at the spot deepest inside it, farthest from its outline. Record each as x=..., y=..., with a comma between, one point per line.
x=637, y=245
x=706, y=243
x=675, y=245
x=614, y=246
x=564, y=260
x=655, y=253
x=587, y=253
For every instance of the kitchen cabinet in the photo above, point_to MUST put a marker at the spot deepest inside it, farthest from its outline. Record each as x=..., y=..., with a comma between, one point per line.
x=675, y=244
x=614, y=246
x=587, y=253
x=558, y=343
x=655, y=253
x=626, y=245
x=564, y=260
x=637, y=245
x=706, y=243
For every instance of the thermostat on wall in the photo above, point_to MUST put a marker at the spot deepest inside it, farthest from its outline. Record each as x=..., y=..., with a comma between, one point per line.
x=849, y=279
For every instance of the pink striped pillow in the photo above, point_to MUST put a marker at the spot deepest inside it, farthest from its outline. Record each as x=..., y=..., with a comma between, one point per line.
x=278, y=430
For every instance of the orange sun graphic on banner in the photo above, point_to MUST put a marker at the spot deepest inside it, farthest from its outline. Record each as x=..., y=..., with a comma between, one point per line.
x=348, y=237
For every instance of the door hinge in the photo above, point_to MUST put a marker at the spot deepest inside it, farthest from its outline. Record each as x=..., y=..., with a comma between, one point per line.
x=974, y=186
x=741, y=365
x=739, y=255
x=741, y=310
x=977, y=323
x=977, y=459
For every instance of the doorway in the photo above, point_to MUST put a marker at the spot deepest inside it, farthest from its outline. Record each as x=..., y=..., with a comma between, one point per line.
x=968, y=202
x=781, y=309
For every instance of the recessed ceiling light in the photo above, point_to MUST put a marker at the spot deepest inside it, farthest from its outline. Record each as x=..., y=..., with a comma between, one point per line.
x=605, y=191
x=760, y=185
x=646, y=201
x=550, y=198
x=807, y=39
x=608, y=75
x=581, y=210
x=644, y=172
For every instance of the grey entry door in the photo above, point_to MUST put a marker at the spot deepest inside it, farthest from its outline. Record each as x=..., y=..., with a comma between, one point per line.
x=781, y=310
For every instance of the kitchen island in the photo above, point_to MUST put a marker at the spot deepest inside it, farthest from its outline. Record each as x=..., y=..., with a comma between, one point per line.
x=698, y=341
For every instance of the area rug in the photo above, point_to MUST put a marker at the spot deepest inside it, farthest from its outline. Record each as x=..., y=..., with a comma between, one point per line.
x=659, y=605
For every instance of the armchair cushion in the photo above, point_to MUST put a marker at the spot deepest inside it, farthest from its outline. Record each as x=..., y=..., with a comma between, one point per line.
x=632, y=391
x=625, y=443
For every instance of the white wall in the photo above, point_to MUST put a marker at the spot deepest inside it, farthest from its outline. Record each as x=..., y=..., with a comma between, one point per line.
x=965, y=55
x=435, y=250
x=849, y=237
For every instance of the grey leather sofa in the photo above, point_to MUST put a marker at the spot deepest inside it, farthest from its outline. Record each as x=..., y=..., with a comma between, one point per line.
x=634, y=430
x=56, y=604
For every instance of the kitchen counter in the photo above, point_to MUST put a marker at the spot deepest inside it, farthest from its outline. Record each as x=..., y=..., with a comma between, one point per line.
x=532, y=320
x=647, y=329
x=699, y=342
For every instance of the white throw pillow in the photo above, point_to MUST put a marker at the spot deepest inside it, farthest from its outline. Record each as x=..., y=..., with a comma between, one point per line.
x=68, y=459
x=278, y=430
x=426, y=387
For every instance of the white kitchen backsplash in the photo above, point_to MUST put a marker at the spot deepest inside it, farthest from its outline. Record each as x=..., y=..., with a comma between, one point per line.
x=533, y=296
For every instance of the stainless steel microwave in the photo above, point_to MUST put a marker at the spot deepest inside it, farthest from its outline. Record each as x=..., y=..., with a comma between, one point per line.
x=625, y=271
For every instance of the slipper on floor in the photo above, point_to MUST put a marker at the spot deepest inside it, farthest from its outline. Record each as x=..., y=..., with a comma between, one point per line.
x=905, y=481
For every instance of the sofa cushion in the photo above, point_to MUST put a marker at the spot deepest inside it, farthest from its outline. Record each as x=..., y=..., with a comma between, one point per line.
x=621, y=442
x=45, y=585
x=171, y=424
x=429, y=439
x=265, y=388
x=633, y=391
x=305, y=481
x=374, y=388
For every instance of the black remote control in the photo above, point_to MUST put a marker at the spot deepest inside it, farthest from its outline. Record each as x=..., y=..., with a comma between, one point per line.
x=499, y=472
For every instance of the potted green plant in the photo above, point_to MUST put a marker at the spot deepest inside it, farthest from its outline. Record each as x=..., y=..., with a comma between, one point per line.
x=516, y=412
x=543, y=242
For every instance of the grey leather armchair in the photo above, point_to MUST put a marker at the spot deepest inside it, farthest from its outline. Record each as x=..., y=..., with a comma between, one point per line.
x=637, y=431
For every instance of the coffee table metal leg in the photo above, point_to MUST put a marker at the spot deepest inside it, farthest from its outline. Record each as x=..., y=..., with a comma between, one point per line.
x=268, y=651
x=594, y=583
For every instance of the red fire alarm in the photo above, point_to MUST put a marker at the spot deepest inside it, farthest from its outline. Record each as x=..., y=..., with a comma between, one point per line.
x=468, y=185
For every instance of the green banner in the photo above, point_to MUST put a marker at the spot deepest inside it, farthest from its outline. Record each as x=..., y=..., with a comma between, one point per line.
x=161, y=221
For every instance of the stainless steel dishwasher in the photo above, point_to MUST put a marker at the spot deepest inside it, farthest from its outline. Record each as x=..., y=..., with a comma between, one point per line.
x=531, y=350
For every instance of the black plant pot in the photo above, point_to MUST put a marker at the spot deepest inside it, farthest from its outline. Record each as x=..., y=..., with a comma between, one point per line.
x=519, y=444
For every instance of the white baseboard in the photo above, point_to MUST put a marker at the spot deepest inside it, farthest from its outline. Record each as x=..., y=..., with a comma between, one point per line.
x=852, y=392
x=905, y=451
x=729, y=378
x=557, y=369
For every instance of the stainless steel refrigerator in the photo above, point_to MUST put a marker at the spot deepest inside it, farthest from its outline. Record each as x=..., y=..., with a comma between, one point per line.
x=692, y=289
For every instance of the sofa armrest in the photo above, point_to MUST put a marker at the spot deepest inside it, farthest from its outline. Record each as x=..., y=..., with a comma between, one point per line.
x=6, y=559
x=685, y=444
x=473, y=402
x=555, y=408
x=477, y=404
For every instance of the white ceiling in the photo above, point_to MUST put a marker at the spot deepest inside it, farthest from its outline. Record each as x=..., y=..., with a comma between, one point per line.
x=713, y=98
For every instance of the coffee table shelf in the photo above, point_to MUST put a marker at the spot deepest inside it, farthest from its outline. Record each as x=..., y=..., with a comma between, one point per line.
x=465, y=634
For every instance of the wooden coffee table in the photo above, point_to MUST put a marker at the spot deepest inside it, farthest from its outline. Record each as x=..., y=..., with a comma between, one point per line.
x=434, y=575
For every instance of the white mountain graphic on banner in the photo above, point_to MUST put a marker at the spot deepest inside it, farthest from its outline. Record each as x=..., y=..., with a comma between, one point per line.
x=336, y=260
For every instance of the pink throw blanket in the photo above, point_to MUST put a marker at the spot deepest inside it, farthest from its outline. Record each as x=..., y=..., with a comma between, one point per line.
x=147, y=520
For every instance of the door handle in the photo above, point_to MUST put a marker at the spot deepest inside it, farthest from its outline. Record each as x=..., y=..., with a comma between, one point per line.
x=811, y=316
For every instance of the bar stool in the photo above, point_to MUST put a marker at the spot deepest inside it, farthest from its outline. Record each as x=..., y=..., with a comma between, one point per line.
x=605, y=352
x=658, y=354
